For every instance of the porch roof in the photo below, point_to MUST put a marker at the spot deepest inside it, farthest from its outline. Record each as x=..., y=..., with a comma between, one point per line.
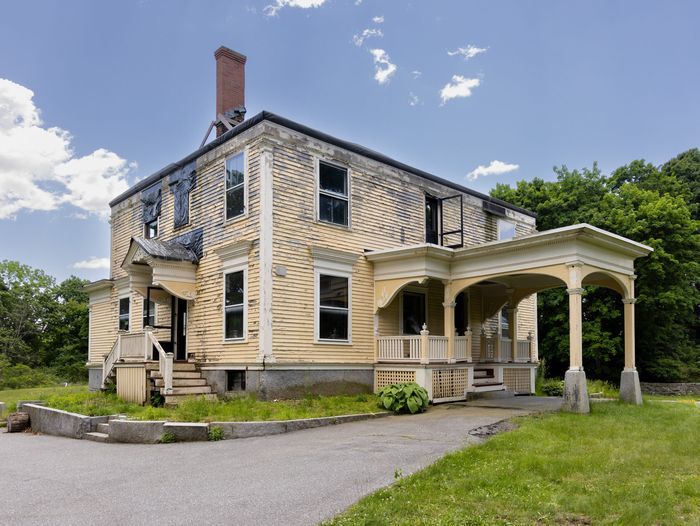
x=571, y=256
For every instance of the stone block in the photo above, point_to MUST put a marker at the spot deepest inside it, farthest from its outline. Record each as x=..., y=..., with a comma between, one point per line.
x=56, y=422
x=630, y=390
x=187, y=432
x=575, y=392
x=136, y=431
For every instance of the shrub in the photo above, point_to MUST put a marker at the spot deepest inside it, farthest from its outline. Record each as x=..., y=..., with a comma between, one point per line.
x=552, y=387
x=216, y=434
x=404, y=398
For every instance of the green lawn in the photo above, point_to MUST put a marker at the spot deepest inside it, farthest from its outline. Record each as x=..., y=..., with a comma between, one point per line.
x=246, y=408
x=621, y=464
x=12, y=396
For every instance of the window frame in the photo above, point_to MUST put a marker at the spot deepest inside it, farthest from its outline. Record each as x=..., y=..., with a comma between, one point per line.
x=318, y=272
x=244, y=185
x=502, y=222
x=146, y=225
x=504, y=321
x=233, y=270
x=127, y=297
x=153, y=313
x=328, y=193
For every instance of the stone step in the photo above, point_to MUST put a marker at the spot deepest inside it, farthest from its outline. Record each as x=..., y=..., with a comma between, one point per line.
x=183, y=382
x=488, y=386
x=178, y=374
x=103, y=428
x=191, y=390
x=96, y=436
x=173, y=400
x=184, y=366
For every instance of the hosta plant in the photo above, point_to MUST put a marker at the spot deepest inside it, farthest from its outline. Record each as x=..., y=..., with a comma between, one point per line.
x=404, y=398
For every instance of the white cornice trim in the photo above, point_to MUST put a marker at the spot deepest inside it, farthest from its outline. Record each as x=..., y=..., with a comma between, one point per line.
x=333, y=255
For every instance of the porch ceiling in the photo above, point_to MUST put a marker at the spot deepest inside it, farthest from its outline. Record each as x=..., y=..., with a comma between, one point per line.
x=564, y=257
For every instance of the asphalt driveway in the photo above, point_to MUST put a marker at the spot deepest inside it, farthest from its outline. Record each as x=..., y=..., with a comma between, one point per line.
x=296, y=478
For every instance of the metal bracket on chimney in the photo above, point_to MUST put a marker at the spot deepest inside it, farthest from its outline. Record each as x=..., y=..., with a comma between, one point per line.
x=228, y=120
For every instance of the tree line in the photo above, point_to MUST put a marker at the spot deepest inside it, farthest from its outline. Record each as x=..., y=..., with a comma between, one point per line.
x=655, y=205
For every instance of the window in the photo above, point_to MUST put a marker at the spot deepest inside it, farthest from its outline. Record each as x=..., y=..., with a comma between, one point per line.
x=505, y=332
x=234, y=305
x=506, y=230
x=413, y=312
x=124, y=304
x=432, y=207
x=235, y=380
x=235, y=186
x=149, y=313
x=150, y=229
x=333, y=307
x=333, y=201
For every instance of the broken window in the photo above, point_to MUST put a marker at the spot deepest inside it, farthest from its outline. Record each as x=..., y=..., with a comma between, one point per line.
x=235, y=186
x=150, y=229
x=333, y=200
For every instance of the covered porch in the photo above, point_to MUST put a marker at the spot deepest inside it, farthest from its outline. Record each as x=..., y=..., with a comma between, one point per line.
x=472, y=300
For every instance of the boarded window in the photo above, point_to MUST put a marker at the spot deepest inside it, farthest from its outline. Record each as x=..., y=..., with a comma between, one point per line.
x=234, y=305
x=182, y=182
x=333, y=201
x=235, y=186
x=333, y=311
x=151, y=201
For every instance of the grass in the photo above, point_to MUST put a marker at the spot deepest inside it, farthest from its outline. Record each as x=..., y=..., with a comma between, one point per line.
x=245, y=408
x=621, y=464
x=12, y=396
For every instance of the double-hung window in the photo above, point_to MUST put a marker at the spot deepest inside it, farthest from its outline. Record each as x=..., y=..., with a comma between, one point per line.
x=149, y=313
x=234, y=305
x=333, y=307
x=124, y=314
x=235, y=186
x=333, y=194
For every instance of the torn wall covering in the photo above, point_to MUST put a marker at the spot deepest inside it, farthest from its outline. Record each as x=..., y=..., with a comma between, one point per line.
x=181, y=183
x=151, y=200
x=193, y=240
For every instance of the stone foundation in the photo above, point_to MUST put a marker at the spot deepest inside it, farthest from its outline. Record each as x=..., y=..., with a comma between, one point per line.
x=575, y=393
x=94, y=378
x=659, y=388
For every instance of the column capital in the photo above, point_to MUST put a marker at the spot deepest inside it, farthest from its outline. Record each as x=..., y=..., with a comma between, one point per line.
x=450, y=305
x=629, y=301
x=577, y=290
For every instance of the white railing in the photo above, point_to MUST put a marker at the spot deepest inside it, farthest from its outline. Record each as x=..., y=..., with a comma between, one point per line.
x=398, y=348
x=463, y=345
x=437, y=348
x=165, y=361
x=110, y=359
x=523, y=353
x=506, y=349
x=131, y=346
x=489, y=344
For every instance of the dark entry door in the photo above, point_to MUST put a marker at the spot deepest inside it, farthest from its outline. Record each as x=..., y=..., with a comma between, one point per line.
x=432, y=206
x=180, y=328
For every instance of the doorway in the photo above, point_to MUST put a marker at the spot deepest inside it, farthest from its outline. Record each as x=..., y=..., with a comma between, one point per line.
x=179, y=329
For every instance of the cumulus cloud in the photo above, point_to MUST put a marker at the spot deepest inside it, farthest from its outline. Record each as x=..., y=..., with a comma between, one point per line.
x=459, y=87
x=378, y=20
x=383, y=68
x=467, y=52
x=40, y=171
x=92, y=263
x=494, y=168
x=273, y=9
x=367, y=33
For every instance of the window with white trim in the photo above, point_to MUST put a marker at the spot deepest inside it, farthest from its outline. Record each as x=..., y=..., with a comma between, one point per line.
x=149, y=313
x=333, y=194
x=234, y=305
x=505, y=323
x=235, y=186
x=333, y=307
x=506, y=230
x=124, y=313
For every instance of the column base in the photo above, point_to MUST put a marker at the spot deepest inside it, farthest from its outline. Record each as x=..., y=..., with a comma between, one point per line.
x=630, y=391
x=575, y=393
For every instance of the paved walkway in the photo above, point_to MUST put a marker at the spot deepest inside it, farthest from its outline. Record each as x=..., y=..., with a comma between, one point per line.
x=296, y=478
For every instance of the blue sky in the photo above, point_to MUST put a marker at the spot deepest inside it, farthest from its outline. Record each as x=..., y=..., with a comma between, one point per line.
x=536, y=84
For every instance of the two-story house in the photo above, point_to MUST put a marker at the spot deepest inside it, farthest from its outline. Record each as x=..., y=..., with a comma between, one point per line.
x=278, y=259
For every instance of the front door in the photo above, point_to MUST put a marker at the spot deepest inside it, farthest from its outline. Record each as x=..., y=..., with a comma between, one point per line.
x=180, y=328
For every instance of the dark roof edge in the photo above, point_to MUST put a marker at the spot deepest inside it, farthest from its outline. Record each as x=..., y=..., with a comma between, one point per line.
x=355, y=148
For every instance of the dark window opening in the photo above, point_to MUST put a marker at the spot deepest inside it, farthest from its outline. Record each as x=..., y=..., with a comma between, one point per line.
x=505, y=331
x=233, y=305
x=235, y=380
x=432, y=207
x=150, y=229
x=149, y=313
x=333, y=308
x=413, y=305
x=461, y=313
x=124, y=304
x=235, y=186
x=333, y=201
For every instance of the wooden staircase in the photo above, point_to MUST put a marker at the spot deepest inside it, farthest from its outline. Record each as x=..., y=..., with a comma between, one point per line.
x=187, y=381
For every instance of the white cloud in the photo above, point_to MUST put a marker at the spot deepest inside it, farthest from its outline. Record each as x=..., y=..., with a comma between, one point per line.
x=383, y=68
x=416, y=73
x=413, y=99
x=92, y=263
x=272, y=9
x=367, y=33
x=378, y=20
x=39, y=169
x=467, y=52
x=459, y=87
x=494, y=168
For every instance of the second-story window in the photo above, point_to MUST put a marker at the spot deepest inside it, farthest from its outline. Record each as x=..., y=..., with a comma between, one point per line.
x=235, y=186
x=333, y=195
x=150, y=229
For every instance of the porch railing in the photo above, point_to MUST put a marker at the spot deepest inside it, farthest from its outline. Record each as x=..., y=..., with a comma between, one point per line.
x=498, y=349
x=409, y=349
x=437, y=348
x=398, y=348
x=165, y=362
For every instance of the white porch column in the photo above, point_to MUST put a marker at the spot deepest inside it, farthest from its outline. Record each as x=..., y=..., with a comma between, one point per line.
x=424, y=342
x=266, y=250
x=450, y=330
x=513, y=330
x=630, y=390
x=575, y=329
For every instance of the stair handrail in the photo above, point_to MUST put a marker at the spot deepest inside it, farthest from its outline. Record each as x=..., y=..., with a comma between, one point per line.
x=110, y=359
x=165, y=363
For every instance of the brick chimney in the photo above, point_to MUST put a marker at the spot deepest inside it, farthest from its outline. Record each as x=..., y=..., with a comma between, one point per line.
x=230, y=86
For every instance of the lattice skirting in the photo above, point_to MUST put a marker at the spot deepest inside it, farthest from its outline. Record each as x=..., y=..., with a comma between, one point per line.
x=382, y=378
x=517, y=379
x=449, y=383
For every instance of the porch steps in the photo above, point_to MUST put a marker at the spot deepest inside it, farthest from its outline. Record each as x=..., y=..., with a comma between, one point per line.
x=175, y=399
x=182, y=382
x=187, y=382
x=485, y=387
x=96, y=436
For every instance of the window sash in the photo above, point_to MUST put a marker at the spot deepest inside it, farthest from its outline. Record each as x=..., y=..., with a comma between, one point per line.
x=335, y=168
x=334, y=310
x=234, y=313
x=332, y=196
x=124, y=314
x=149, y=320
x=231, y=190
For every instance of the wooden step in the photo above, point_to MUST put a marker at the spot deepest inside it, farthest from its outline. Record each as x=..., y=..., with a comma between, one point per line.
x=488, y=386
x=172, y=400
x=182, y=382
x=96, y=436
x=184, y=366
x=178, y=374
x=191, y=390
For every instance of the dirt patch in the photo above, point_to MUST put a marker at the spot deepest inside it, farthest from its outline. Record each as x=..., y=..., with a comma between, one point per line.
x=486, y=432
